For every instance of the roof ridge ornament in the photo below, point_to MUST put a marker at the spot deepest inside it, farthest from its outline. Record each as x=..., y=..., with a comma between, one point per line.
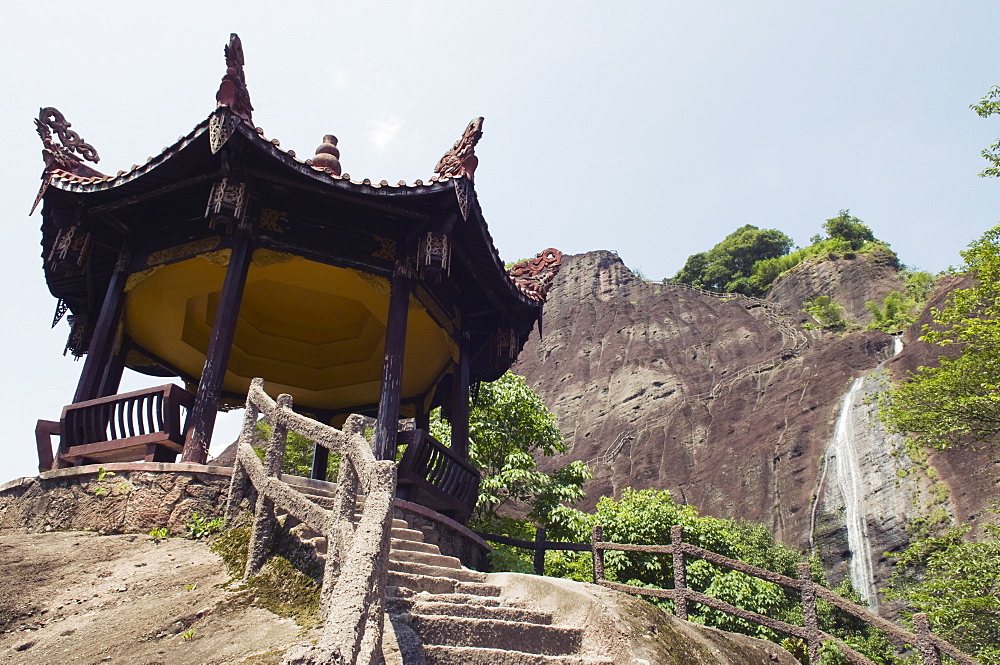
x=461, y=160
x=327, y=155
x=61, y=156
x=534, y=276
x=233, y=89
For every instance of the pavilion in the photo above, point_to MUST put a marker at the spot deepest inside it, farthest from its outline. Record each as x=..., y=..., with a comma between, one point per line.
x=226, y=257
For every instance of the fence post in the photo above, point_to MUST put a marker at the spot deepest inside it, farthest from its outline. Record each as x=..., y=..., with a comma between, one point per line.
x=539, y=559
x=597, y=536
x=680, y=572
x=239, y=480
x=279, y=437
x=811, y=622
x=928, y=652
x=264, y=518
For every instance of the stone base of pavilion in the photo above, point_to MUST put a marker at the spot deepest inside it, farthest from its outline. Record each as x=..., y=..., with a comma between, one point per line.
x=137, y=497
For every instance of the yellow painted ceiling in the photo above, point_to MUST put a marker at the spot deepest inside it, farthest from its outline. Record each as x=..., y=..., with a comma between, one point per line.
x=314, y=331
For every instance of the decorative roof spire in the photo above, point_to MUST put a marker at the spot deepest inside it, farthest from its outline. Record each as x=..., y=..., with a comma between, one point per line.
x=233, y=89
x=327, y=155
x=461, y=160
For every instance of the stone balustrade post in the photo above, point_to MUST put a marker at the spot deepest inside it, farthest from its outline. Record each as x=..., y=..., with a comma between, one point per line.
x=680, y=572
x=597, y=536
x=810, y=619
x=925, y=647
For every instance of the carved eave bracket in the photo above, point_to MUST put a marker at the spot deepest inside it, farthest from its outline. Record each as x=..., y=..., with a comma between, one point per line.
x=534, y=276
x=461, y=160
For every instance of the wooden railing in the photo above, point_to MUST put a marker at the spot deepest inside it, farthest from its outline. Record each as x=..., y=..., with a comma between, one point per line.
x=352, y=600
x=433, y=475
x=145, y=424
x=928, y=645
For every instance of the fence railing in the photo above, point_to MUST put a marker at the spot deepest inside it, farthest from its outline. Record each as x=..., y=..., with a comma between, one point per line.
x=928, y=645
x=433, y=475
x=352, y=600
x=144, y=424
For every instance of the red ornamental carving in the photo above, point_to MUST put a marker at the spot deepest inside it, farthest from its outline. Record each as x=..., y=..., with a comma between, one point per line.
x=534, y=276
x=62, y=156
x=233, y=89
x=461, y=160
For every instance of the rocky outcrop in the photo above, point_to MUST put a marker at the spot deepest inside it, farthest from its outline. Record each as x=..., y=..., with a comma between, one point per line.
x=851, y=282
x=713, y=398
x=731, y=405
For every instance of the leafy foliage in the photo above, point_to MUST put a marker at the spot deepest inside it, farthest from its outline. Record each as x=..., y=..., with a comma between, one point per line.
x=987, y=106
x=849, y=228
x=828, y=312
x=298, y=454
x=198, y=526
x=750, y=259
x=508, y=425
x=957, y=583
x=957, y=401
x=900, y=308
x=721, y=267
x=645, y=517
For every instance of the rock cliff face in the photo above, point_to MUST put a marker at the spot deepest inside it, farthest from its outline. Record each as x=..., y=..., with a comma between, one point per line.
x=726, y=401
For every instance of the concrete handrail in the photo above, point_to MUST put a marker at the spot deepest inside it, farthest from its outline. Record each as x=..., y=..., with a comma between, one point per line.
x=354, y=579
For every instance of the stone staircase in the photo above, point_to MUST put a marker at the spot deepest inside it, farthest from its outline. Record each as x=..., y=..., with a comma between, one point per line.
x=461, y=619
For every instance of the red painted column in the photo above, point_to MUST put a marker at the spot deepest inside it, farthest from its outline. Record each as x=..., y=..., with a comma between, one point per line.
x=100, y=351
x=392, y=366
x=201, y=419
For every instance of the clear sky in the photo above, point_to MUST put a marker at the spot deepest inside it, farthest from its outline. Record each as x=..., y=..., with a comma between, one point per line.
x=649, y=128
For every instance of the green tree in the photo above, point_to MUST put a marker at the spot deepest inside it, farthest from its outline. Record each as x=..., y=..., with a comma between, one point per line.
x=728, y=265
x=298, y=453
x=987, y=106
x=958, y=400
x=508, y=425
x=646, y=517
x=849, y=228
x=957, y=583
x=898, y=310
x=827, y=312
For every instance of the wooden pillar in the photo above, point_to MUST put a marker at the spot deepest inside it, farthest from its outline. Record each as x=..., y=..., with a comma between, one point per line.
x=101, y=349
x=392, y=366
x=201, y=419
x=321, y=461
x=460, y=401
x=112, y=377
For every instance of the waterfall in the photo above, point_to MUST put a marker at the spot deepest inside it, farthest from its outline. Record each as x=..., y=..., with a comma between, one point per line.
x=849, y=482
x=857, y=434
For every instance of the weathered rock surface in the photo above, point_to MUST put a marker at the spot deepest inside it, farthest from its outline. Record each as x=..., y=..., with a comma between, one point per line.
x=728, y=404
x=76, y=597
x=851, y=282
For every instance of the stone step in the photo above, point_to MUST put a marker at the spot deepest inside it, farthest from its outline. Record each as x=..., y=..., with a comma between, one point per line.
x=407, y=534
x=495, y=634
x=414, y=546
x=413, y=568
x=426, y=558
x=448, y=655
x=432, y=584
x=471, y=611
x=405, y=595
